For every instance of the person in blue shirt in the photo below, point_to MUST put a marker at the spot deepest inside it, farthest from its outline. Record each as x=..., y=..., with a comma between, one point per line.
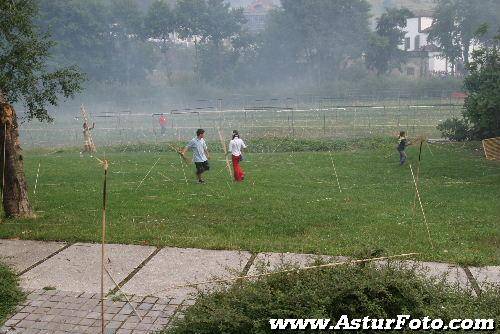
x=200, y=154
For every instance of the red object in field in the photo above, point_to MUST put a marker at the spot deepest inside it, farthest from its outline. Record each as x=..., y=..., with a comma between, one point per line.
x=239, y=174
x=459, y=95
x=162, y=120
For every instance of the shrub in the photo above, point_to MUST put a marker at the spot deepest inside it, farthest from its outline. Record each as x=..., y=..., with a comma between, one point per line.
x=482, y=105
x=356, y=291
x=270, y=145
x=10, y=295
x=455, y=129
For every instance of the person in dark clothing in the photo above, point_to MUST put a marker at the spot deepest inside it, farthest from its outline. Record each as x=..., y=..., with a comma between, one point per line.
x=402, y=144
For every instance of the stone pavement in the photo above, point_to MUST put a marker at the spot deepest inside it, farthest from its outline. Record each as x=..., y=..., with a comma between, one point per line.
x=53, y=311
x=63, y=282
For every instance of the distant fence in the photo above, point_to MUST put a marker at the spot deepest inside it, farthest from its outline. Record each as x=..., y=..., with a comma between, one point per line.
x=329, y=118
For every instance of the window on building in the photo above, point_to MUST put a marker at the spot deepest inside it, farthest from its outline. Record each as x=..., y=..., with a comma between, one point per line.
x=407, y=43
x=417, y=42
x=410, y=71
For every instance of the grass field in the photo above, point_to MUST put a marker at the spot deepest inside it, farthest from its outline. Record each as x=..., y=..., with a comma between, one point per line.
x=290, y=201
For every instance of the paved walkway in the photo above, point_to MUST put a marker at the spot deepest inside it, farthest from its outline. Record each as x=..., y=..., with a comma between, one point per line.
x=63, y=282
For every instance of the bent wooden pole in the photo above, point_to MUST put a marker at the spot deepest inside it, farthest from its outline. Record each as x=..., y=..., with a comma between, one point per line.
x=103, y=269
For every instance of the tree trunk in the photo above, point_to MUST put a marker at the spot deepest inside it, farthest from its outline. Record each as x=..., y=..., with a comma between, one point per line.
x=14, y=186
x=196, y=65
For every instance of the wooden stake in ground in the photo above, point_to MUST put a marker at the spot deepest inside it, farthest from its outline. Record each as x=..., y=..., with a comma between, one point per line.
x=183, y=158
x=105, y=165
x=421, y=140
x=228, y=166
x=89, y=142
x=36, y=180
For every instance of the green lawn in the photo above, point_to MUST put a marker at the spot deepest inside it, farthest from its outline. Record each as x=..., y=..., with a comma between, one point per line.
x=290, y=201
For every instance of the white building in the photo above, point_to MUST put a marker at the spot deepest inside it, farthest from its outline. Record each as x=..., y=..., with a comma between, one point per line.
x=424, y=58
x=256, y=14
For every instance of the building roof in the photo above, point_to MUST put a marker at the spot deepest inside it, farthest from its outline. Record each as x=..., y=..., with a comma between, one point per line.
x=260, y=6
x=423, y=13
x=429, y=48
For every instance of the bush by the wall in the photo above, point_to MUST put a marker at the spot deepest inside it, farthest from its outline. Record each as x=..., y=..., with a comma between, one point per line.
x=455, y=129
x=356, y=291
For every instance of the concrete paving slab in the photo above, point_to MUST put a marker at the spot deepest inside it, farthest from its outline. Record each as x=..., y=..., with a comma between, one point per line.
x=179, y=266
x=78, y=268
x=452, y=275
x=22, y=254
x=267, y=262
x=486, y=276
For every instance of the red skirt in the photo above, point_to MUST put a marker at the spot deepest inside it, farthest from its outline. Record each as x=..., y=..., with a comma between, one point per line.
x=239, y=174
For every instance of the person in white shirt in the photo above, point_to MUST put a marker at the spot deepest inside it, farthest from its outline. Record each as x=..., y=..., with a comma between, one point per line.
x=236, y=146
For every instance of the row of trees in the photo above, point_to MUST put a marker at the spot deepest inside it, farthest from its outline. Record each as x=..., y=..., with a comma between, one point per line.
x=455, y=25
x=114, y=40
x=317, y=40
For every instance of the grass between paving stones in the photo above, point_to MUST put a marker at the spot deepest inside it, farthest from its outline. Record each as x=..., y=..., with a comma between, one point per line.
x=10, y=294
x=290, y=200
x=355, y=291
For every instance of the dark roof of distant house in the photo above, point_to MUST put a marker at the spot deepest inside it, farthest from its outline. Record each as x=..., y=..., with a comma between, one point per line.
x=427, y=30
x=423, y=13
x=429, y=48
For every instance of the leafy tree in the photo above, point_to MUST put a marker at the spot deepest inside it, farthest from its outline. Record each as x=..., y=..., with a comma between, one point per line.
x=212, y=21
x=25, y=78
x=324, y=35
x=482, y=105
x=81, y=30
x=159, y=21
x=102, y=37
x=159, y=24
x=383, y=50
x=125, y=17
x=128, y=57
x=456, y=21
x=190, y=22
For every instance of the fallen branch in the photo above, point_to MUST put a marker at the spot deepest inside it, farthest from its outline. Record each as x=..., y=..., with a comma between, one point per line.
x=327, y=265
x=422, y=208
x=144, y=178
x=124, y=294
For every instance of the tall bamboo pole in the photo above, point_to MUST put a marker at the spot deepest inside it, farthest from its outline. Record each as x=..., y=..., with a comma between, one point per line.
x=105, y=164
